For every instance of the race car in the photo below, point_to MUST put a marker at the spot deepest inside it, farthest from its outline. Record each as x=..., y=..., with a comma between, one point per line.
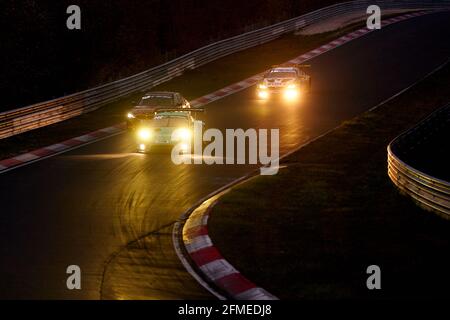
x=166, y=128
x=150, y=102
x=289, y=81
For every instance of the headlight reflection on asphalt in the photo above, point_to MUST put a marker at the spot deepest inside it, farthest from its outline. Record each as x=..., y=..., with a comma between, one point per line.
x=110, y=156
x=184, y=147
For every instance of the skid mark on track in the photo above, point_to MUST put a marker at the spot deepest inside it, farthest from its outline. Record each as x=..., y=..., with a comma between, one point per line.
x=147, y=268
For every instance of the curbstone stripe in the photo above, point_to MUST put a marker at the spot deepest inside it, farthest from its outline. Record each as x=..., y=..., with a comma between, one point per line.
x=210, y=262
x=32, y=156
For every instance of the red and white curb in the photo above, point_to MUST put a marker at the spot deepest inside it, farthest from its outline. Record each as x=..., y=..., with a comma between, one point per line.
x=58, y=148
x=210, y=262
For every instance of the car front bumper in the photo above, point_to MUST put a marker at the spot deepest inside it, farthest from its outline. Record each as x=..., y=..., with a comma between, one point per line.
x=288, y=93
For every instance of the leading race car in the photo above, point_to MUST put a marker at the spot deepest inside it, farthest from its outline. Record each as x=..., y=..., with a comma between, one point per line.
x=150, y=102
x=289, y=81
x=166, y=128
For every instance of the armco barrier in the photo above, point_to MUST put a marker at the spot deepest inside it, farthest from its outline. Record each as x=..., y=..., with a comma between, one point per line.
x=42, y=114
x=429, y=192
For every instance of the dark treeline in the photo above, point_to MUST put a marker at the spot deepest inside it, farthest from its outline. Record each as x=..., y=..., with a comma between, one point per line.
x=41, y=59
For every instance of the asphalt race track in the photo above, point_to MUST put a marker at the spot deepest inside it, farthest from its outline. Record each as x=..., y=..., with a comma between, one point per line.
x=89, y=206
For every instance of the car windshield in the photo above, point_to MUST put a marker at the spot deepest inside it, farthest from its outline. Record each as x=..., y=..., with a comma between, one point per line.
x=160, y=122
x=283, y=74
x=157, y=101
x=177, y=122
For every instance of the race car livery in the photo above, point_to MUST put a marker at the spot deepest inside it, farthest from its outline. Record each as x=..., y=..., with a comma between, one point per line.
x=290, y=81
x=167, y=127
x=150, y=102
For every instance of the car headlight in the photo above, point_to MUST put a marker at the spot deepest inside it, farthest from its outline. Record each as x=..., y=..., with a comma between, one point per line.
x=130, y=115
x=182, y=134
x=263, y=94
x=291, y=94
x=144, y=134
x=262, y=86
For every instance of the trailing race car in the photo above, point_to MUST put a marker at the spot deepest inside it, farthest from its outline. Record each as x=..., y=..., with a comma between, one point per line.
x=150, y=102
x=167, y=127
x=290, y=81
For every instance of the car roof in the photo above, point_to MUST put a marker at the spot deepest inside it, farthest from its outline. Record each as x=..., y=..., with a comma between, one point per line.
x=284, y=69
x=184, y=114
x=160, y=93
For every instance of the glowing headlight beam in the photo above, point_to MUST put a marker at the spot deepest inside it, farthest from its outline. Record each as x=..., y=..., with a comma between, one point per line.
x=263, y=94
x=182, y=134
x=291, y=94
x=144, y=134
x=184, y=147
x=130, y=115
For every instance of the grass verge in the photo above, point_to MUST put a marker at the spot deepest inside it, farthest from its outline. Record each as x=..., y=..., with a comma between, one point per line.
x=192, y=84
x=312, y=230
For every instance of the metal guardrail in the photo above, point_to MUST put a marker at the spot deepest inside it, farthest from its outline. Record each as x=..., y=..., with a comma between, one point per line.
x=429, y=192
x=45, y=113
